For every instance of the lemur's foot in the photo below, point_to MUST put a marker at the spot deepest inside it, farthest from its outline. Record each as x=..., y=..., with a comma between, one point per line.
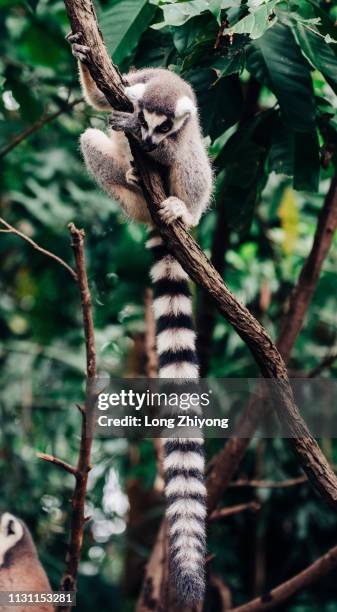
x=132, y=177
x=79, y=51
x=172, y=209
x=123, y=122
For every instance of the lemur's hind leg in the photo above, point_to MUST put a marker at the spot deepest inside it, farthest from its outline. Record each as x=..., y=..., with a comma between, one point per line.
x=109, y=160
x=172, y=209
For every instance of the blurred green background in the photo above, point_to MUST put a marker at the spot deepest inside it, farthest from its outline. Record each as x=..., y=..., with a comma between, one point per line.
x=267, y=94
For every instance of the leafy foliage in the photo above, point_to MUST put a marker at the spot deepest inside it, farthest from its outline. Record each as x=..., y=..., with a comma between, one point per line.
x=265, y=76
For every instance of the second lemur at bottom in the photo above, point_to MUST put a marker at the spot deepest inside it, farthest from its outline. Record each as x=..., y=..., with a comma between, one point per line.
x=165, y=123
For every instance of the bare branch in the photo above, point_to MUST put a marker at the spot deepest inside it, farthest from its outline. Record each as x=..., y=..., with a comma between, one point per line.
x=44, y=119
x=269, y=484
x=278, y=596
x=78, y=518
x=65, y=466
x=88, y=324
x=155, y=578
x=307, y=280
x=326, y=363
x=225, y=512
x=223, y=591
x=12, y=230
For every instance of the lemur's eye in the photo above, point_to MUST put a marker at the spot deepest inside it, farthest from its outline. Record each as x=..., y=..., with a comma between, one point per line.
x=142, y=120
x=165, y=127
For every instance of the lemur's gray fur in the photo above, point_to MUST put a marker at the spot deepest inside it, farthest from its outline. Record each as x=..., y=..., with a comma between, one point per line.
x=165, y=122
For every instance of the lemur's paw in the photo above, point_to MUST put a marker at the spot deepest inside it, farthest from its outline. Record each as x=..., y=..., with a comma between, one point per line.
x=79, y=51
x=132, y=177
x=172, y=209
x=125, y=122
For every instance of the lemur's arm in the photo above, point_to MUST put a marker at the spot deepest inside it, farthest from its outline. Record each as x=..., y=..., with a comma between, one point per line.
x=92, y=94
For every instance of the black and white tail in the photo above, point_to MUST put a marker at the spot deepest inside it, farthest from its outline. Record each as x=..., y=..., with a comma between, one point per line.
x=184, y=458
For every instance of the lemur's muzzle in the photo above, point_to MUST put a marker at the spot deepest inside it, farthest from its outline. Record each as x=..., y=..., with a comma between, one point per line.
x=148, y=145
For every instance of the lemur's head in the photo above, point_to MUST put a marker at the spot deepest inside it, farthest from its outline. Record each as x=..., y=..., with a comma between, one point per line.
x=165, y=105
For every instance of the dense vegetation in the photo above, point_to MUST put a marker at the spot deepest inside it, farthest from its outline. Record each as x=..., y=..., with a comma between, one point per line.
x=266, y=78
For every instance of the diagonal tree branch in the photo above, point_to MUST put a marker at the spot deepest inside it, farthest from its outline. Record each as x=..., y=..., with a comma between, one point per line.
x=43, y=120
x=282, y=593
x=56, y=461
x=12, y=230
x=230, y=510
x=187, y=252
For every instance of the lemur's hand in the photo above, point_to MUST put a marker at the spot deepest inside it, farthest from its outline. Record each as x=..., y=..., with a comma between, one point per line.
x=124, y=122
x=79, y=51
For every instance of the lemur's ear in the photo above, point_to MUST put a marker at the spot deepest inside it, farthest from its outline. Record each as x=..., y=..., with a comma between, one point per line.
x=135, y=92
x=185, y=106
x=11, y=532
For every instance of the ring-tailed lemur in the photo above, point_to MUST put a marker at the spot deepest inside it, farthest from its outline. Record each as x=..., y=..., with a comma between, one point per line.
x=165, y=122
x=20, y=568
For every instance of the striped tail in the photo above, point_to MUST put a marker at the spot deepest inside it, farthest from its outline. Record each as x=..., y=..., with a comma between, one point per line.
x=184, y=458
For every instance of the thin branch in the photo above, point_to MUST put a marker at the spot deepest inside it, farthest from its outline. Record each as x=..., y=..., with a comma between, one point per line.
x=78, y=518
x=151, y=595
x=56, y=461
x=225, y=512
x=308, y=278
x=326, y=363
x=269, y=484
x=43, y=120
x=12, y=230
x=77, y=236
x=282, y=593
x=223, y=590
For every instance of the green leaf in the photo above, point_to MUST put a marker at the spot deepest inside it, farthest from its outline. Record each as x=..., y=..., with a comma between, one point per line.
x=319, y=53
x=243, y=159
x=195, y=37
x=257, y=22
x=215, y=8
x=123, y=24
x=220, y=102
x=276, y=61
x=327, y=26
x=233, y=62
x=281, y=155
x=30, y=106
x=306, y=161
x=42, y=46
x=177, y=14
x=295, y=154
